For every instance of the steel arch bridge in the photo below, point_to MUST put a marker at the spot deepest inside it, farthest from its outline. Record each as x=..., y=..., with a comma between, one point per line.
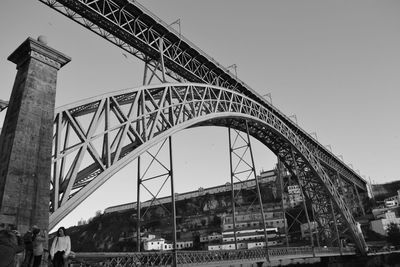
x=147, y=115
x=111, y=130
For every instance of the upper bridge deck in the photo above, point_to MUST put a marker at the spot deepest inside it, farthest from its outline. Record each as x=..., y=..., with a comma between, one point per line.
x=135, y=29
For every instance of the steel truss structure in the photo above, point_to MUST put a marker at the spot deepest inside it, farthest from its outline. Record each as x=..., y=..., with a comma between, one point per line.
x=160, y=180
x=286, y=180
x=242, y=169
x=95, y=138
x=135, y=29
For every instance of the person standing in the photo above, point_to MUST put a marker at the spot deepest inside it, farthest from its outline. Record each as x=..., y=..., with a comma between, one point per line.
x=28, y=247
x=60, y=248
x=10, y=244
x=37, y=241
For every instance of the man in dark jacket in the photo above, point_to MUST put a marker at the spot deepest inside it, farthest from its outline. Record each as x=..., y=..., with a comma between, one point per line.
x=28, y=242
x=10, y=244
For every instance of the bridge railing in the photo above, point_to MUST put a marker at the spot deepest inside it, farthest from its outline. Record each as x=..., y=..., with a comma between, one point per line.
x=186, y=258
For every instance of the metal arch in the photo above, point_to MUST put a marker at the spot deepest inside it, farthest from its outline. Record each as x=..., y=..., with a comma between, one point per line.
x=136, y=30
x=311, y=183
x=144, y=116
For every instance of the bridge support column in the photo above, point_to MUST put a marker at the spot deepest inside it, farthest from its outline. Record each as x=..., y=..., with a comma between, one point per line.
x=304, y=203
x=317, y=235
x=258, y=192
x=153, y=179
x=173, y=202
x=26, y=139
x=242, y=169
x=281, y=183
x=336, y=228
x=138, y=207
x=232, y=188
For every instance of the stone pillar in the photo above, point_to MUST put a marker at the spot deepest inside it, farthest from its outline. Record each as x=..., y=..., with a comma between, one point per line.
x=26, y=137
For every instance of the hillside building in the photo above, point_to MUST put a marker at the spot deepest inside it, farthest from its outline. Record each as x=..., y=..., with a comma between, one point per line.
x=380, y=226
x=393, y=201
x=305, y=229
x=160, y=244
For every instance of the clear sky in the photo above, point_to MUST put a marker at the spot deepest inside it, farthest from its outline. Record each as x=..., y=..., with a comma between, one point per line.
x=334, y=64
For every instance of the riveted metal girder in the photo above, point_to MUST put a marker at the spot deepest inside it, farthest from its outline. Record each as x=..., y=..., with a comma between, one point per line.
x=135, y=29
x=95, y=138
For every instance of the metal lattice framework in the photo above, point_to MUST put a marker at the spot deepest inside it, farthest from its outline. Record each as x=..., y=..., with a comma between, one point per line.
x=196, y=258
x=242, y=169
x=135, y=29
x=95, y=138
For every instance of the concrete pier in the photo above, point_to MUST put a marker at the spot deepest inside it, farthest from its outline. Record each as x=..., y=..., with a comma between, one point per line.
x=26, y=137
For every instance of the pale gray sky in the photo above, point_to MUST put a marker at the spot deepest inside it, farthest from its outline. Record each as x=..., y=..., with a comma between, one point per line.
x=335, y=64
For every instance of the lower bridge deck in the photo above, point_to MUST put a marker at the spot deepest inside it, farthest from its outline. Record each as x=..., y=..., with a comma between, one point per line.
x=204, y=258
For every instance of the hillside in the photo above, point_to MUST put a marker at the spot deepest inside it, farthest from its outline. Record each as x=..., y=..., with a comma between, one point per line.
x=382, y=191
x=200, y=215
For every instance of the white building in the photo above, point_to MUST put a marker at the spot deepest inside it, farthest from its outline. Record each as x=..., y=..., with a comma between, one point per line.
x=253, y=220
x=250, y=245
x=295, y=196
x=393, y=201
x=160, y=244
x=210, y=238
x=381, y=226
x=154, y=244
x=147, y=236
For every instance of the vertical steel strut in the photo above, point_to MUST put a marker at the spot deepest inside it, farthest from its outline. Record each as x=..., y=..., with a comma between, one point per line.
x=241, y=171
x=296, y=171
x=258, y=191
x=138, y=224
x=293, y=179
x=281, y=183
x=171, y=177
x=336, y=228
x=160, y=174
x=359, y=201
x=232, y=188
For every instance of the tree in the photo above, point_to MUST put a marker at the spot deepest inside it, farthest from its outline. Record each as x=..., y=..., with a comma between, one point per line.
x=393, y=232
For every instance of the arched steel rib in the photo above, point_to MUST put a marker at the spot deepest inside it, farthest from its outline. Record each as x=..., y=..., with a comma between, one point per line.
x=147, y=115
